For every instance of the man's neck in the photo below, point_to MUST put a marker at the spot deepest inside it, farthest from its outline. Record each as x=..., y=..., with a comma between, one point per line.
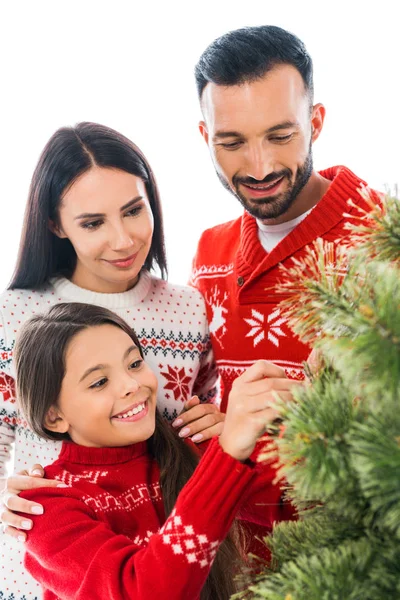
x=309, y=196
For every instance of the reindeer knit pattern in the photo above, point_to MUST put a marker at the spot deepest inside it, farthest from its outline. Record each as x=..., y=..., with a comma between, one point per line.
x=237, y=277
x=171, y=324
x=106, y=536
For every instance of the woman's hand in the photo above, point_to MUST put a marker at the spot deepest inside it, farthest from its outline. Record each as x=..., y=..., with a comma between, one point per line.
x=200, y=421
x=252, y=406
x=10, y=502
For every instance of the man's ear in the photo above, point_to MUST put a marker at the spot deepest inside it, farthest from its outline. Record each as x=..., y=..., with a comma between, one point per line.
x=203, y=130
x=56, y=229
x=317, y=121
x=55, y=421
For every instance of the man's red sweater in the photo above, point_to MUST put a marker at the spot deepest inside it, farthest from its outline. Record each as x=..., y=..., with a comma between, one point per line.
x=101, y=538
x=237, y=277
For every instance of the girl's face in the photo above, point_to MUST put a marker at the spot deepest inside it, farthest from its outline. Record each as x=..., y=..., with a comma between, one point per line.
x=108, y=394
x=107, y=217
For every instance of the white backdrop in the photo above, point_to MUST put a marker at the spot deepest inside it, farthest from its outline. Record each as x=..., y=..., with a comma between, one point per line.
x=130, y=64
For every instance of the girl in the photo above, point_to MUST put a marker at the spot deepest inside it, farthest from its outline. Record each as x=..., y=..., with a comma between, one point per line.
x=93, y=233
x=124, y=474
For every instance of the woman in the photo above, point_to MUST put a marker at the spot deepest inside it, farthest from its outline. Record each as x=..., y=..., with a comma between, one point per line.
x=93, y=233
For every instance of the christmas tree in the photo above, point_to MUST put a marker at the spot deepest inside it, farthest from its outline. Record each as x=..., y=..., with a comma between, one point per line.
x=340, y=444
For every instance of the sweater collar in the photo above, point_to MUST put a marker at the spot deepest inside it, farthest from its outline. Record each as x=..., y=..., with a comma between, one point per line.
x=74, y=453
x=252, y=259
x=68, y=290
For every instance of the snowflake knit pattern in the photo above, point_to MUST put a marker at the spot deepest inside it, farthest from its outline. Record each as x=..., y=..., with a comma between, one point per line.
x=170, y=321
x=106, y=535
x=237, y=277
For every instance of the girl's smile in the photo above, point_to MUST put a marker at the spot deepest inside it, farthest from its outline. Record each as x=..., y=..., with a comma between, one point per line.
x=108, y=394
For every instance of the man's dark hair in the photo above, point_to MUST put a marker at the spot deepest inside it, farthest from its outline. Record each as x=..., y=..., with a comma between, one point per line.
x=247, y=54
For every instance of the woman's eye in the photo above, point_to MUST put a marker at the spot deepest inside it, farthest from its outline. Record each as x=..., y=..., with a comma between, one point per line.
x=136, y=364
x=98, y=384
x=133, y=211
x=91, y=225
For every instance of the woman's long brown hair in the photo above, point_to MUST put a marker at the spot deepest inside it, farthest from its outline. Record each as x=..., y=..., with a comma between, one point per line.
x=40, y=369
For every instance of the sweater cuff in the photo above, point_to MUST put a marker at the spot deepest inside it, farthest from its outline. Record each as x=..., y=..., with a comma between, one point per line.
x=217, y=486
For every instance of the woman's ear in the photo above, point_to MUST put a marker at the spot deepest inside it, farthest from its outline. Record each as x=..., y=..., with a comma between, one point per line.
x=55, y=421
x=56, y=229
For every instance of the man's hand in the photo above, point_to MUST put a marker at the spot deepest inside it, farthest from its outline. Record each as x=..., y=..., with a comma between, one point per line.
x=200, y=421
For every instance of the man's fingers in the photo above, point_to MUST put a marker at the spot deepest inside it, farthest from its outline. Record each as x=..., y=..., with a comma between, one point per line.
x=262, y=369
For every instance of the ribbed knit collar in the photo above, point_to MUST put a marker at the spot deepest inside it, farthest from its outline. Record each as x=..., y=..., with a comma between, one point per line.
x=74, y=453
x=252, y=259
x=68, y=290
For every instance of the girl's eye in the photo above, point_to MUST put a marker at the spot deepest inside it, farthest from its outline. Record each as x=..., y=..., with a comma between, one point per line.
x=91, y=225
x=136, y=364
x=99, y=384
x=134, y=211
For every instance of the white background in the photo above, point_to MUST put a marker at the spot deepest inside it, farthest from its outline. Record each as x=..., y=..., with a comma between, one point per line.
x=129, y=65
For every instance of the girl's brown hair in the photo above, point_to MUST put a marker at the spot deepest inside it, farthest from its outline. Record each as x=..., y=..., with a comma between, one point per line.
x=40, y=369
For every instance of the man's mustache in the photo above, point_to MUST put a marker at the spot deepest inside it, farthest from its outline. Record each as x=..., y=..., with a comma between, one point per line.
x=267, y=180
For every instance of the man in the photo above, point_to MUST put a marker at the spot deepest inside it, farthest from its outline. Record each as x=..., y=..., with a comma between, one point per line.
x=255, y=87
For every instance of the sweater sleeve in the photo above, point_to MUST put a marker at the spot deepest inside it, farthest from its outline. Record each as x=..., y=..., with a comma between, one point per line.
x=76, y=556
x=265, y=503
x=205, y=385
x=8, y=411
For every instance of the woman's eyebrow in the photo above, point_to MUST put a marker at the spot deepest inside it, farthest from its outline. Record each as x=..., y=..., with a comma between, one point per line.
x=98, y=215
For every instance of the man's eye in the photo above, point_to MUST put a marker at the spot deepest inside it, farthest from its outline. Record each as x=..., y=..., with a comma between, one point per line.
x=282, y=138
x=98, y=384
x=232, y=145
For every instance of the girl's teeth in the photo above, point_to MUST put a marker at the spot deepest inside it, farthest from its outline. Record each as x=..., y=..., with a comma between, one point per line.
x=132, y=412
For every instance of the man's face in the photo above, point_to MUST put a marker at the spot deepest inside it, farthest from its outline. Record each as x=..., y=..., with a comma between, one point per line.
x=260, y=137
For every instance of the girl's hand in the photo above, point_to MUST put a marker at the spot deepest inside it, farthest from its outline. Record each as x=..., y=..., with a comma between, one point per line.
x=201, y=421
x=252, y=407
x=10, y=502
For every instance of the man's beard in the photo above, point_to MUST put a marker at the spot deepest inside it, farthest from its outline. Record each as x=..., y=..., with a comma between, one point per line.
x=272, y=207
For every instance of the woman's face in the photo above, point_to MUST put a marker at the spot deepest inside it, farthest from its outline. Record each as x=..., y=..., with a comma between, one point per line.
x=108, y=394
x=106, y=215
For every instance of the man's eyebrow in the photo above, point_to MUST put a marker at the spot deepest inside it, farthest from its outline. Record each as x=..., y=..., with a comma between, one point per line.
x=226, y=134
x=99, y=215
x=284, y=125
x=236, y=134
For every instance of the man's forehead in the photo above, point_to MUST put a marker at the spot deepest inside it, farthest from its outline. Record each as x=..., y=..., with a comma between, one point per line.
x=276, y=97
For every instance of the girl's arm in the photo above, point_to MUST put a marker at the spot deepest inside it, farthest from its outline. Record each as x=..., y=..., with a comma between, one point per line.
x=78, y=557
